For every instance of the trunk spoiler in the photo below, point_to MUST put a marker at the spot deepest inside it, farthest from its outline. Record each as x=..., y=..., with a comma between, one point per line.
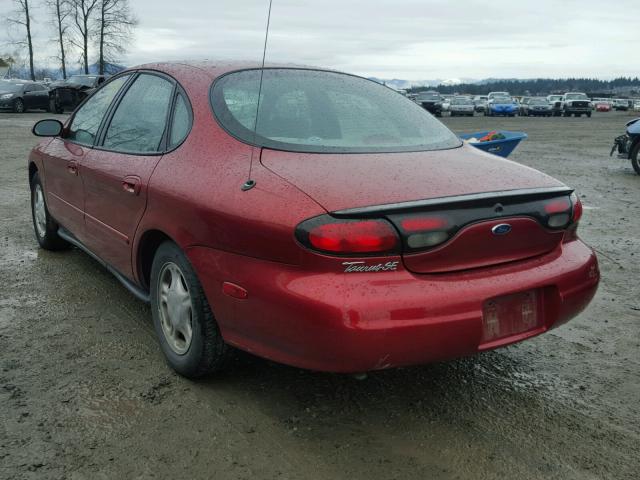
x=520, y=194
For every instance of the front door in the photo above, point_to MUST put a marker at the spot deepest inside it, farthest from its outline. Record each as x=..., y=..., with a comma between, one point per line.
x=36, y=96
x=63, y=185
x=63, y=160
x=116, y=173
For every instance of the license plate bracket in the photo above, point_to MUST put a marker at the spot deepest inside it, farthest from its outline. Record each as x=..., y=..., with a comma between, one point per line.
x=511, y=315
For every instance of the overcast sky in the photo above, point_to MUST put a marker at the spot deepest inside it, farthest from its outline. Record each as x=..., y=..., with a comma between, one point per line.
x=407, y=39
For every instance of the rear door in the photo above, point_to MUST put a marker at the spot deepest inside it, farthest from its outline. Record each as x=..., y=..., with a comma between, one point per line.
x=116, y=173
x=63, y=158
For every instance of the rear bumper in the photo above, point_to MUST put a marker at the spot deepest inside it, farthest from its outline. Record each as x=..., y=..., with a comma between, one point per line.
x=368, y=321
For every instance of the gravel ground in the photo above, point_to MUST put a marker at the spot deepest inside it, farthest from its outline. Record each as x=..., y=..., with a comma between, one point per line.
x=85, y=393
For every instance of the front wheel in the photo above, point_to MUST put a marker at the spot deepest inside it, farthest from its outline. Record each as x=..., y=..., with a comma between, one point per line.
x=18, y=106
x=186, y=328
x=44, y=225
x=635, y=157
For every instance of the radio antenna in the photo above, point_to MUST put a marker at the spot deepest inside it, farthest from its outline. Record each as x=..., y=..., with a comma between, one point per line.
x=250, y=183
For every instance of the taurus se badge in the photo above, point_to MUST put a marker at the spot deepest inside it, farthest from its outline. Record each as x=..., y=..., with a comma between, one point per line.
x=351, y=267
x=501, y=229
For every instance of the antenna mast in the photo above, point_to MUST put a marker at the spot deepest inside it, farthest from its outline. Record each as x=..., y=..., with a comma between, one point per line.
x=250, y=183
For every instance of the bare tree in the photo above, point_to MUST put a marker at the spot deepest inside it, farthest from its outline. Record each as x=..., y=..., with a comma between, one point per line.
x=21, y=17
x=115, y=25
x=61, y=10
x=83, y=11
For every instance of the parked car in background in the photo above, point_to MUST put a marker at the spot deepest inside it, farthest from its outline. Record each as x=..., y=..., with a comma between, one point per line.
x=22, y=95
x=497, y=94
x=431, y=102
x=522, y=103
x=68, y=94
x=602, y=106
x=374, y=237
x=621, y=104
x=576, y=104
x=504, y=106
x=536, y=106
x=628, y=145
x=446, y=102
x=636, y=106
x=480, y=102
x=557, y=104
x=462, y=106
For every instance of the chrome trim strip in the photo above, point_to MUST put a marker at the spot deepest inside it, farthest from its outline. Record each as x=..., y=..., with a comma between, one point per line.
x=392, y=207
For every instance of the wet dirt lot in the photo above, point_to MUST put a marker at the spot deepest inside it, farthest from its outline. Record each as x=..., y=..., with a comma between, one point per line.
x=85, y=393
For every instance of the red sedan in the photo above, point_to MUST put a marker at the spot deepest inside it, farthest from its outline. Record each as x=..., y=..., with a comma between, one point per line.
x=333, y=224
x=603, y=106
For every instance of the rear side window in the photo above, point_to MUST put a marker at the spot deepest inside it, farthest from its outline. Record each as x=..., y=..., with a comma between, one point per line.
x=87, y=119
x=140, y=119
x=181, y=121
x=320, y=111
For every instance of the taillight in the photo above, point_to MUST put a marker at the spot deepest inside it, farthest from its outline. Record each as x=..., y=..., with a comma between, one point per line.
x=576, y=214
x=577, y=208
x=344, y=237
x=425, y=231
x=558, y=211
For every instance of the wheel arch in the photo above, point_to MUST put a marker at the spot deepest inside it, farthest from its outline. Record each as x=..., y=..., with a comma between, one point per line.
x=148, y=244
x=33, y=169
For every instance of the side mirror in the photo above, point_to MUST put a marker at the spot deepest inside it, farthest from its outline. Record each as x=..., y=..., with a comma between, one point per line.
x=47, y=128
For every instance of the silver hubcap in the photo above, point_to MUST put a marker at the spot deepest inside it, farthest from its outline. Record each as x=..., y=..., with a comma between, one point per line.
x=175, y=308
x=39, y=212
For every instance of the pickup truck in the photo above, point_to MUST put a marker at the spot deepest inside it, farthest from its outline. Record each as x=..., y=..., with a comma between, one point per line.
x=577, y=104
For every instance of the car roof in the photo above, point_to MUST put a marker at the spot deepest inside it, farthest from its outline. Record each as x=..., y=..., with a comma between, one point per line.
x=215, y=68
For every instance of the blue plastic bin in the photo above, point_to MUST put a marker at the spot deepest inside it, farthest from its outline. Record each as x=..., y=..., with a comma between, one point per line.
x=502, y=147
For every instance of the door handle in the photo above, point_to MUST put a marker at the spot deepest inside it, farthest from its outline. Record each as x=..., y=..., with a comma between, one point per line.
x=131, y=184
x=72, y=167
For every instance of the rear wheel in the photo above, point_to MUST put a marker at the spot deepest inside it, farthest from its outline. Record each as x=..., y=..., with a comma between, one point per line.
x=635, y=157
x=187, y=330
x=44, y=225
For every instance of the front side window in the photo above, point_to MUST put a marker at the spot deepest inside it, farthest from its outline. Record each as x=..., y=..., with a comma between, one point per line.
x=139, y=122
x=87, y=119
x=319, y=111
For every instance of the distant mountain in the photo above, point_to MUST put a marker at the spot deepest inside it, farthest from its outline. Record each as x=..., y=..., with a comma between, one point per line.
x=406, y=84
x=56, y=73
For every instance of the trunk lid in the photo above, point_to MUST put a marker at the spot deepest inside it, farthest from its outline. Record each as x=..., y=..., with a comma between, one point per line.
x=348, y=181
x=480, y=209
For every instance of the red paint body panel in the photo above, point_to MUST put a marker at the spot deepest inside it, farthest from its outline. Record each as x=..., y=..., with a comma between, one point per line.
x=112, y=212
x=476, y=246
x=358, y=322
x=300, y=306
x=340, y=182
x=63, y=186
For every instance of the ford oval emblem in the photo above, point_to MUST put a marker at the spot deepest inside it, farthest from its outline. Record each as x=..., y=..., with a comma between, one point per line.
x=501, y=229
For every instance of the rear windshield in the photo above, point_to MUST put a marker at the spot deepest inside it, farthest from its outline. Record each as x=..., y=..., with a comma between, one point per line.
x=319, y=111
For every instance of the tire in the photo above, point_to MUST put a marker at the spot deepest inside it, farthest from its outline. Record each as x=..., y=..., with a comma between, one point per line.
x=635, y=157
x=588, y=114
x=18, y=106
x=205, y=352
x=44, y=226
